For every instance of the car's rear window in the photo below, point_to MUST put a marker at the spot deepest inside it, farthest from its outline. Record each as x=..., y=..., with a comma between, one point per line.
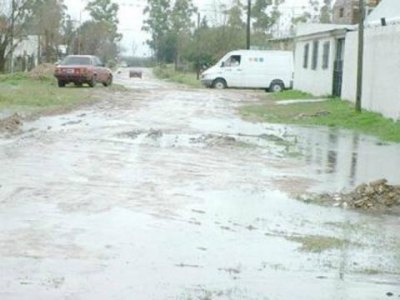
x=76, y=60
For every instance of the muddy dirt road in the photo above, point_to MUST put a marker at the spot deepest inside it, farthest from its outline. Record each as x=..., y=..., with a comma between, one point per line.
x=162, y=192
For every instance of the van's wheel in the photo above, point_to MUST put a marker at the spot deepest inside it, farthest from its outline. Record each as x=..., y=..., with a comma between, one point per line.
x=276, y=87
x=219, y=84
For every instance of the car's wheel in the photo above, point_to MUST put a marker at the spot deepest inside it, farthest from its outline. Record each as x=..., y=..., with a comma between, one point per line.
x=219, y=84
x=109, y=81
x=276, y=87
x=92, y=82
x=61, y=83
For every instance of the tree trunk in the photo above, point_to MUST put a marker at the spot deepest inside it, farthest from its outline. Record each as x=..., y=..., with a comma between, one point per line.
x=2, y=64
x=47, y=45
x=2, y=59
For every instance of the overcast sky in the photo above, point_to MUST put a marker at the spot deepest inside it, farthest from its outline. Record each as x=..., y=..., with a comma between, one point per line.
x=131, y=18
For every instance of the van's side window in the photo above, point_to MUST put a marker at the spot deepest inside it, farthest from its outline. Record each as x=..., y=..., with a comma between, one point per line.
x=306, y=55
x=315, y=55
x=233, y=61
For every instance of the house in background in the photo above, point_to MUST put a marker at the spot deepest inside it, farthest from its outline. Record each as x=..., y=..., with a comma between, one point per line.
x=26, y=53
x=348, y=11
x=319, y=55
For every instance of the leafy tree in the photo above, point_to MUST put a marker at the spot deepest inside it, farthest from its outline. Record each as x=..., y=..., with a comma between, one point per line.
x=236, y=16
x=158, y=24
x=181, y=25
x=326, y=12
x=265, y=14
x=95, y=38
x=107, y=12
x=99, y=36
x=47, y=21
x=170, y=26
x=311, y=14
x=69, y=34
x=103, y=10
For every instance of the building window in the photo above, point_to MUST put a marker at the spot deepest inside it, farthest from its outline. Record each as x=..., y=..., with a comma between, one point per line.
x=315, y=55
x=306, y=55
x=325, y=57
x=341, y=12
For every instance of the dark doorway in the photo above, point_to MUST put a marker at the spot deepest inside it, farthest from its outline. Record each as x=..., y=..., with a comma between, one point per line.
x=338, y=68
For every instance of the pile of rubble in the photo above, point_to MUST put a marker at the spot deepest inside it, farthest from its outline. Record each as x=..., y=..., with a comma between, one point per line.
x=376, y=195
x=11, y=123
x=42, y=72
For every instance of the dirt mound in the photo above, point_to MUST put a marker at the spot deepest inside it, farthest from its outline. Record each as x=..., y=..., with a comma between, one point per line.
x=42, y=72
x=376, y=195
x=11, y=124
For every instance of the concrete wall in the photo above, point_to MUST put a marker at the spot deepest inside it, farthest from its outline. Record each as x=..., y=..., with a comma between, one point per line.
x=381, y=88
x=318, y=82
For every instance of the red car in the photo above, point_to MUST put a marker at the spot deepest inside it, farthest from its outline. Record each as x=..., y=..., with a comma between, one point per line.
x=81, y=69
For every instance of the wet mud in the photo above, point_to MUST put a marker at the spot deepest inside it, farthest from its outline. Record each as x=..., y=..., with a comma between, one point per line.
x=163, y=192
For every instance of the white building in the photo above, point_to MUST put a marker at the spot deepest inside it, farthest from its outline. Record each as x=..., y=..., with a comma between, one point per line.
x=326, y=60
x=381, y=89
x=319, y=53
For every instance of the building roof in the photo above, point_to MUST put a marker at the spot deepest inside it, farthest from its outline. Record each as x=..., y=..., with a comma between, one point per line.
x=388, y=9
x=316, y=28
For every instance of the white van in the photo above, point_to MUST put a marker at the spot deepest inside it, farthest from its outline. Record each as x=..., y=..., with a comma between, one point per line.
x=271, y=70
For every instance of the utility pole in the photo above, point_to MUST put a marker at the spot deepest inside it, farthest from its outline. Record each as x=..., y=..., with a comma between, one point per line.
x=12, y=36
x=248, y=31
x=360, y=56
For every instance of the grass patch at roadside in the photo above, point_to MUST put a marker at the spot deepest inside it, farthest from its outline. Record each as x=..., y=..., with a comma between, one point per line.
x=21, y=92
x=318, y=243
x=333, y=113
x=291, y=95
x=167, y=72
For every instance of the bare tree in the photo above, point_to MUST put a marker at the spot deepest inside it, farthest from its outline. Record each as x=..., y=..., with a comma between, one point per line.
x=13, y=19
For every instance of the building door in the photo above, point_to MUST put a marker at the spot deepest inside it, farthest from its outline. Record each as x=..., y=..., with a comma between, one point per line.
x=338, y=68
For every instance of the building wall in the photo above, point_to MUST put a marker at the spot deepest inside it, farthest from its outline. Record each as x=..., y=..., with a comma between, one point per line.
x=381, y=88
x=318, y=82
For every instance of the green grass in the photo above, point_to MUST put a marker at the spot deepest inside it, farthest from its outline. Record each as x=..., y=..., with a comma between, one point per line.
x=168, y=72
x=19, y=92
x=291, y=95
x=333, y=113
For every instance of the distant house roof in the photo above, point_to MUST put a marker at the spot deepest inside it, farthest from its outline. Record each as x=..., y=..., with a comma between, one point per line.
x=388, y=9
